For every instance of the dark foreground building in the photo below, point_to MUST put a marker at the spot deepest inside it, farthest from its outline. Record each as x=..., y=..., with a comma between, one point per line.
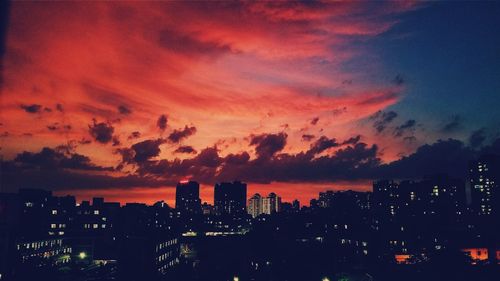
x=230, y=198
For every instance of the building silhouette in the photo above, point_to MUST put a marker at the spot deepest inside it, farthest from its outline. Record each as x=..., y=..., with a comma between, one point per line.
x=187, y=198
x=230, y=198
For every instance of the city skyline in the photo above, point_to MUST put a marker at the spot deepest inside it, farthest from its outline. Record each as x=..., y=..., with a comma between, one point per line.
x=291, y=97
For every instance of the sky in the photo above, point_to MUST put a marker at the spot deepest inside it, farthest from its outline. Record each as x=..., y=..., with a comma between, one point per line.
x=124, y=99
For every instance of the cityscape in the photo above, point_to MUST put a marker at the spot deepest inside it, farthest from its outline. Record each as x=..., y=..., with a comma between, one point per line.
x=434, y=225
x=235, y=140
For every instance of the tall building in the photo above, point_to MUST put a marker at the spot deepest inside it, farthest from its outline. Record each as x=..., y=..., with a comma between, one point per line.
x=296, y=205
x=271, y=204
x=230, y=198
x=386, y=198
x=484, y=177
x=255, y=205
x=187, y=197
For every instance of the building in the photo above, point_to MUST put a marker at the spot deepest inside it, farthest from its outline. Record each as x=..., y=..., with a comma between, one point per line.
x=271, y=204
x=484, y=177
x=187, y=198
x=296, y=205
x=255, y=205
x=230, y=198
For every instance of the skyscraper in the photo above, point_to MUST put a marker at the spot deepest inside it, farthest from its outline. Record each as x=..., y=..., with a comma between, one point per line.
x=271, y=204
x=230, y=198
x=187, y=197
x=255, y=205
x=484, y=177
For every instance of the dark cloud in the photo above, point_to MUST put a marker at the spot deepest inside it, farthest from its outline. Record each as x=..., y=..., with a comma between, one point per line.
x=454, y=124
x=266, y=145
x=381, y=119
x=398, y=80
x=84, y=141
x=145, y=150
x=307, y=137
x=15, y=177
x=190, y=46
x=339, y=111
x=62, y=157
x=101, y=132
x=59, y=107
x=408, y=126
x=134, y=135
x=410, y=139
x=33, y=108
x=185, y=149
x=116, y=141
x=314, y=121
x=237, y=159
x=161, y=123
x=322, y=144
x=178, y=135
x=477, y=138
x=445, y=156
x=122, y=109
x=352, y=140
x=56, y=126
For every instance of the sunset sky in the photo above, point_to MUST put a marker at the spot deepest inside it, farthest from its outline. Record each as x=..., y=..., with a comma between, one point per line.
x=124, y=99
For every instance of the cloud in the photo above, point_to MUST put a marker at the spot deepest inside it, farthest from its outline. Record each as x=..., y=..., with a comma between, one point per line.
x=408, y=126
x=453, y=125
x=59, y=107
x=266, y=145
x=477, y=138
x=56, y=126
x=122, y=109
x=145, y=150
x=161, y=123
x=61, y=158
x=314, y=121
x=33, y=108
x=134, y=135
x=101, y=132
x=398, y=80
x=178, y=135
x=185, y=149
x=445, y=156
x=307, y=137
x=381, y=119
x=322, y=144
x=352, y=140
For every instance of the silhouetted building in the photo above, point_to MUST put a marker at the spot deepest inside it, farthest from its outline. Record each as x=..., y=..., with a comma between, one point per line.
x=296, y=205
x=187, y=198
x=484, y=177
x=230, y=198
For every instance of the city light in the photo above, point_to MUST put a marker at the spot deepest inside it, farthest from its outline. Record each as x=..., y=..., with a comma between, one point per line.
x=82, y=255
x=325, y=279
x=236, y=278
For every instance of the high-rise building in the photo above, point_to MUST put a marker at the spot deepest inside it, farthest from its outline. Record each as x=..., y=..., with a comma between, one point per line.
x=386, y=198
x=271, y=204
x=187, y=197
x=296, y=205
x=484, y=177
x=230, y=198
x=255, y=205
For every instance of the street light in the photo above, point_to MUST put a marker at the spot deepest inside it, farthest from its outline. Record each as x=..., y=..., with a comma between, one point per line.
x=325, y=279
x=236, y=278
x=82, y=255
